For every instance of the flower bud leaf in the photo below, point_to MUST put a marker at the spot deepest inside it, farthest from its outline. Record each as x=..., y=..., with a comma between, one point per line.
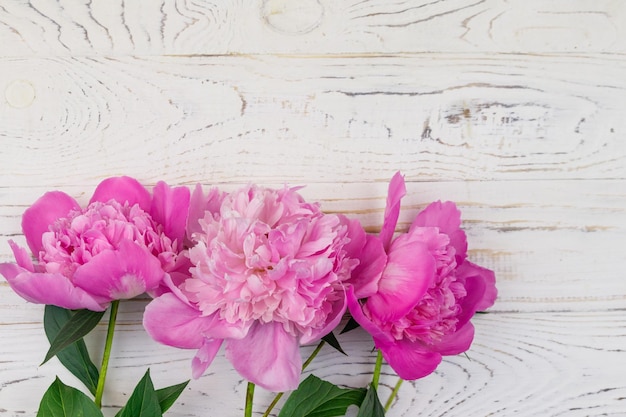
x=332, y=340
x=350, y=325
x=143, y=402
x=167, y=396
x=61, y=400
x=81, y=323
x=371, y=406
x=318, y=398
x=75, y=357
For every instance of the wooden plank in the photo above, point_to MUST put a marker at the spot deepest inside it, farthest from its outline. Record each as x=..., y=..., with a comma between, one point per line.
x=525, y=364
x=116, y=27
x=514, y=109
x=434, y=116
x=555, y=245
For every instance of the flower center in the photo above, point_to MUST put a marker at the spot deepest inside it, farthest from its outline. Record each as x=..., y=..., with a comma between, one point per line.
x=269, y=257
x=436, y=314
x=74, y=240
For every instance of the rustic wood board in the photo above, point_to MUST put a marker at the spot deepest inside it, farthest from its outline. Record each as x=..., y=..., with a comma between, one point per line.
x=513, y=109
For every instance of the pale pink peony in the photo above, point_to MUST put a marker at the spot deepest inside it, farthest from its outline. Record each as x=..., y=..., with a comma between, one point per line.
x=124, y=243
x=428, y=291
x=269, y=273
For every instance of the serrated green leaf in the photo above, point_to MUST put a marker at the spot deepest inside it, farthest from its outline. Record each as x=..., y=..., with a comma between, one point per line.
x=371, y=406
x=75, y=357
x=143, y=402
x=168, y=396
x=63, y=401
x=332, y=340
x=81, y=323
x=350, y=325
x=317, y=398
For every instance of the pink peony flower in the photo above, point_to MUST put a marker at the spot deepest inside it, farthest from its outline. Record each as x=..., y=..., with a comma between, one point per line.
x=269, y=273
x=428, y=290
x=122, y=244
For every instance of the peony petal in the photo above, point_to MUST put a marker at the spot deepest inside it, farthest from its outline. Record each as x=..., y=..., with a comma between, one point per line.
x=480, y=284
x=196, y=211
x=123, y=190
x=409, y=273
x=10, y=270
x=457, y=342
x=447, y=217
x=170, y=281
x=199, y=204
x=44, y=288
x=409, y=360
x=204, y=357
x=171, y=303
x=171, y=321
x=333, y=319
x=120, y=274
x=356, y=311
x=22, y=257
x=397, y=190
x=38, y=218
x=372, y=260
x=491, y=292
x=268, y=356
x=356, y=234
x=170, y=207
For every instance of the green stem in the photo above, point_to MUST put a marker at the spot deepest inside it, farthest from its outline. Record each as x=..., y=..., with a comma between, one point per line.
x=393, y=394
x=249, y=399
x=319, y=347
x=107, y=353
x=278, y=396
x=273, y=404
x=377, y=368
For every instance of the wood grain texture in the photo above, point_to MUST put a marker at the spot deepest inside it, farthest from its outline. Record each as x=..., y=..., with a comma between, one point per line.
x=438, y=117
x=512, y=108
x=184, y=27
x=527, y=364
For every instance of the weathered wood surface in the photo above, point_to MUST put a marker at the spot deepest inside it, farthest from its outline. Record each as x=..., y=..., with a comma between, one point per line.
x=175, y=27
x=526, y=364
x=438, y=117
x=513, y=109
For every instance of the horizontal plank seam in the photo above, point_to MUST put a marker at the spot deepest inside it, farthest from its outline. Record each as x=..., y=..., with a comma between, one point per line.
x=348, y=55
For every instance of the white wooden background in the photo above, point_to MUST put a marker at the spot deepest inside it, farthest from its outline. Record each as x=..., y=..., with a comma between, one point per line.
x=516, y=109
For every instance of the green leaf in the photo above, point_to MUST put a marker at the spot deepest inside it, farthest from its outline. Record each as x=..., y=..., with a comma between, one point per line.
x=63, y=401
x=74, y=357
x=81, y=323
x=332, y=340
x=317, y=398
x=371, y=406
x=350, y=325
x=168, y=396
x=143, y=402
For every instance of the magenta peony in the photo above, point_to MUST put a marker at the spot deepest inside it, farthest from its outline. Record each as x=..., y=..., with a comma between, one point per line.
x=428, y=290
x=269, y=273
x=124, y=243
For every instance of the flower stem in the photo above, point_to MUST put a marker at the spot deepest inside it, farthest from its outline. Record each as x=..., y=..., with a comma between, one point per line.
x=319, y=347
x=377, y=368
x=249, y=399
x=273, y=404
x=393, y=394
x=304, y=365
x=107, y=353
